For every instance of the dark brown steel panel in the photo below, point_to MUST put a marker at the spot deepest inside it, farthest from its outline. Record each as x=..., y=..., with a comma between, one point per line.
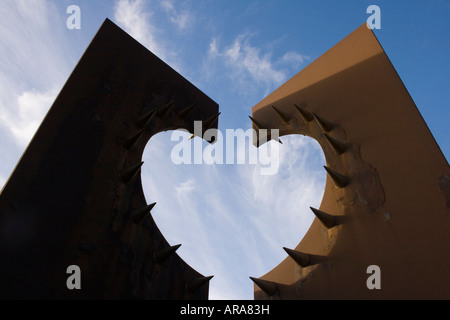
x=73, y=196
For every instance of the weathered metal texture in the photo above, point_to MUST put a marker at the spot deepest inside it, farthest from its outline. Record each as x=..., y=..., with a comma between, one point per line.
x=76, y=198
x=387, y=182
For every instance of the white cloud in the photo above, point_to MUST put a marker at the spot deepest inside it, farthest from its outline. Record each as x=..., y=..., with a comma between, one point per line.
x=181, y=19
x=292, y=58
x=184, y=188
x=33, y=66
x=213, y=50
x=134, y=17
x=29, y=110
x=251, y=68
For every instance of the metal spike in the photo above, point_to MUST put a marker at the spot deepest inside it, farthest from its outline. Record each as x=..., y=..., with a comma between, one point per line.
x=302, y=259
x=142, y=121
x=128, y=175
x=164, y=109
x=208, y=123
x=186, y=111
x=191, y=136
x=327, y=220
x=269, y=287
x=306, y=115
x=339, y=179
x=281, y=115
x=325, y=125
x=337, y=146
x=139, y=215
x=131, y=141
x=163, y=254
x=257, y=124
x=197, y=283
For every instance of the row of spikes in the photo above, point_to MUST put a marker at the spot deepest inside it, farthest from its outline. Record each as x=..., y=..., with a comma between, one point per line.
x=159, y=256
x=302, y=259
x=193, y=285
x=337, y=146
x=128, y=175
x=340, y=180
x=143, y=121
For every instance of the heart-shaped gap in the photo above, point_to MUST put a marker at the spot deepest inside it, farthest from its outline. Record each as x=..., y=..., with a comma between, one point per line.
x=232, y=221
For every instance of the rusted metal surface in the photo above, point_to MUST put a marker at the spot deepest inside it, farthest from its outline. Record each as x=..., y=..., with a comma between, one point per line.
x=387, y=182
x=76, y=198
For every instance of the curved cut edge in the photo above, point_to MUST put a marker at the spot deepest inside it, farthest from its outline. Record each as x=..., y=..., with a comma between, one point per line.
x=383, y=167
x=76, y=198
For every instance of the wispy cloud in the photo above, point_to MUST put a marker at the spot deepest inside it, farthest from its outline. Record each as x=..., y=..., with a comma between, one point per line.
x=134, y=17
x=250, y=67
x=29, y=110
x=181, y=18
x=32, y=69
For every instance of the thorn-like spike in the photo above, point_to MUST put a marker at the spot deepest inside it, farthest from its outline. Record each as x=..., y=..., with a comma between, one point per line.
x=339, y=179
x=197, y=283
x=128, y=175
x=325, y=125
x=165, y=109
x=131, y=141
x=139, y=215
x=337, y=146
x=257, y=124
x=186, y=111
x=208, y=122
x=163, y=254
x=142, y=121
x=284, y=118
x=306, y=115
x=269, y=287
x=302, y=259
x=327, y=220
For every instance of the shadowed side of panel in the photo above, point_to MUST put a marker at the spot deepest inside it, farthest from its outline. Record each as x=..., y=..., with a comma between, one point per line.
x=76, y=198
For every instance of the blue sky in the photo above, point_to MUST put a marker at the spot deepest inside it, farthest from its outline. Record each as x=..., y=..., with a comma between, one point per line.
x=232, y=222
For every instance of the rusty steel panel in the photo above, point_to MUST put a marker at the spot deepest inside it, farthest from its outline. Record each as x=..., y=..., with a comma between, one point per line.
x=386, y=201
x=76, y=198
